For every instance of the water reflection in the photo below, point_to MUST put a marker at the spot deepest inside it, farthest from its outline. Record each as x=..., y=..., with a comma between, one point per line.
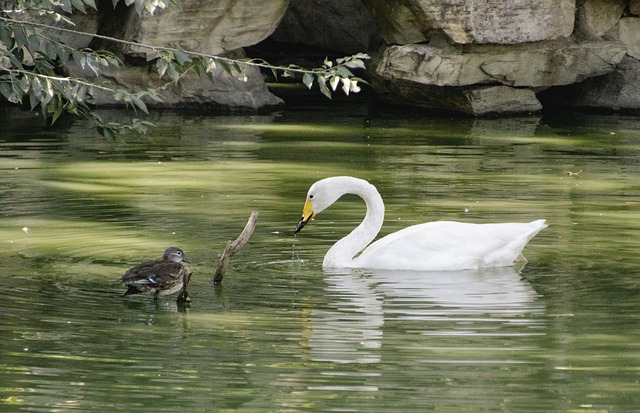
x=350, y=329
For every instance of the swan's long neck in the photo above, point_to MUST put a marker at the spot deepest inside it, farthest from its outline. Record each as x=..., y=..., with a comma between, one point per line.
x=342, y=252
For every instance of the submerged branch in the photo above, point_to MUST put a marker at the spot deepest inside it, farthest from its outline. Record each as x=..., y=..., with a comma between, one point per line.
x=233, y=247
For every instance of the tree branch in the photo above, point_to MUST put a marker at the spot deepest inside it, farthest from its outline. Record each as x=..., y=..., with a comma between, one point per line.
x=233, y=247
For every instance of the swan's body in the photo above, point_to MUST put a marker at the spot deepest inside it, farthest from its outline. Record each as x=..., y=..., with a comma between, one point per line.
x=433, y=246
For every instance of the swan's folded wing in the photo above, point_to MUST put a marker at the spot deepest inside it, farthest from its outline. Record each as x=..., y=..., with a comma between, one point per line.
x=445, y=245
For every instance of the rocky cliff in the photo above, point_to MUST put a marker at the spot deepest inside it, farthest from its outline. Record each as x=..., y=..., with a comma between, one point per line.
x=473, y=56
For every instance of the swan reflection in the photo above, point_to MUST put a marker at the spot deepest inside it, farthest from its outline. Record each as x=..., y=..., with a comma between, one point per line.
x=349, y=329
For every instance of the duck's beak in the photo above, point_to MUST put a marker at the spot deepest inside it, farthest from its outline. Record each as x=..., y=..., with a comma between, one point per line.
x=307, y=215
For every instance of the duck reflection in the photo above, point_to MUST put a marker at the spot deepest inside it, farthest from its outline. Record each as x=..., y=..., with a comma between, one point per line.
x=448, y=303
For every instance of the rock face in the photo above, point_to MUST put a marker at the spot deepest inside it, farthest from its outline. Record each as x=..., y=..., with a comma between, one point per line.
x=501, y=22
x=531, y=65
x=471, y=56
x=211, y=27
x=618, y=90
x=471, y=47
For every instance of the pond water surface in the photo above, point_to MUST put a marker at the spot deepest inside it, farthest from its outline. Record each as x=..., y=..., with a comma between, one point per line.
x=561, y=334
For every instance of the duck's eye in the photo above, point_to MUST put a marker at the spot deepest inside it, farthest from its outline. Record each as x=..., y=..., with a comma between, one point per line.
x=311, y=196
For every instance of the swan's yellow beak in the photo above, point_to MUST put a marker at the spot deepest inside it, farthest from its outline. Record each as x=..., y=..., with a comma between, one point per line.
x=307, y=215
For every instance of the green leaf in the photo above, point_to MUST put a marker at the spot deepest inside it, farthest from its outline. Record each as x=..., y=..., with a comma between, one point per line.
x=65, y=5
x=138, y=5
x=225, y=66
x=151, y=55
x=161, y=66
x=33, y=100
x=153, y=94
x=36, y=86
x=323, y=87
x=77, y=56
x=107, y=132
x=58, y=108
x=78, y=4
x=355, y=64
x=343, y=72
x=173, y=72
x=63, y=55
x=307, y=79
x=51, y=50
x=5, y=37
x=140, y=104
x=335, y=80
x=362, y=56
x=139, y=127
x=21, y=36
x=181, y=57
x=34, y=43
x=5, y=89
x=24, y=84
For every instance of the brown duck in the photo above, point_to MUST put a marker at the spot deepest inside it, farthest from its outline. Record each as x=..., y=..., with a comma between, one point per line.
x=160, y=277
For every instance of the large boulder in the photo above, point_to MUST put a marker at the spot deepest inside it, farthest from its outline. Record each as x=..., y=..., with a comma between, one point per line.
x=496, y=21
x=536, y=65
x=630, y=35
x=617, y=90
x=473, y=21
x=594, y=18
x=397, y=23
x=476, y=100
x=225, y=92
x=211, y=27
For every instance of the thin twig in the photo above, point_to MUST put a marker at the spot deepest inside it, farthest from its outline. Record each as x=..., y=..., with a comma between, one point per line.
x=57, y=78
x=233, y=247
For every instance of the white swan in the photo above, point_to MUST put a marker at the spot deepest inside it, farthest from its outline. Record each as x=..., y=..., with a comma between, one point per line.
x=433, y=246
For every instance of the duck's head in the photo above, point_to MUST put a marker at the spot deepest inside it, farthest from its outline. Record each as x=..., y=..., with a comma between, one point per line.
x=175, y=254
x=320, y=196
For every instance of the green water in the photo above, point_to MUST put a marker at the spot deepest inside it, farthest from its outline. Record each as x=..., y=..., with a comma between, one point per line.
x=561, y=334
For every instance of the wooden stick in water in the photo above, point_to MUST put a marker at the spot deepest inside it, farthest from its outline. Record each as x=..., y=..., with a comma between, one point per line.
x=233, y=247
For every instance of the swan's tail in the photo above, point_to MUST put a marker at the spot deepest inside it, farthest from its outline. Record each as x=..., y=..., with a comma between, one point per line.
x=512, y=251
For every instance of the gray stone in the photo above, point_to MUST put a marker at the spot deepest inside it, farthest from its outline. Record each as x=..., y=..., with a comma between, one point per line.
x=630, y=35
x=496, y=21
x=594, y=18
x=397, y=23
x=211, y=27
x=501, y=99
x=475, y=100
x=533, y=65
x=617, y=90
x=231, y=92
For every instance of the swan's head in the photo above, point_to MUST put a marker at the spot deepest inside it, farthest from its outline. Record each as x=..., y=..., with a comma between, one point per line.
x=320, y=196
